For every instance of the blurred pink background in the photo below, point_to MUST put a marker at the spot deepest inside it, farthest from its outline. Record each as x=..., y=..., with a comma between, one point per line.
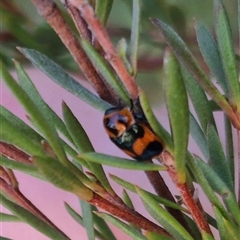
x=48, y=198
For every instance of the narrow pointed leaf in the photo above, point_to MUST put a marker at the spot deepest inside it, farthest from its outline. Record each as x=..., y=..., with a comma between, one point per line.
x=87, y=216
x=229, y=147
x=198, y=136
x=9, y=218
x=218, y=159
x=79, y=220
x=120, y=162
x=22, y=167
x=32, y=92
x=74, y=214
x=207, y=236
x=21, y=126
x=76, y=130
x=127, y=200
x=62, y=177
x=221, y=188
x=204, y=183
x=232, y=230
x=102, y=227
x=199, y=100
x=13, y=135
x=33, y=221
x=132, y=188
x=108, y=75
x=83, y=144
x=58, y=75
x=189, y=62
x=163, y=217
x=4, y=238
x=135, y=35
x=211, y=55
x=129, y=230
x=46, y=127
x=154, y=123
x=178, y=111
x=226, y=48
x=103, y=9
x=156, y=236
x=221, y=228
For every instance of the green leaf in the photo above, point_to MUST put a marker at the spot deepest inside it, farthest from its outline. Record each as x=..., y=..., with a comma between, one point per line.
x=178, y=111
x=26, y=83
x=120, y=162
x=62, y=177
x=127, y=200
x=74, y=214
x=163, y=217
x=101, y=66
x=103, y=9
x=229, y=147
x=76, y=130
x=221, y=188
x=198, y=136
x=33, y=221
x=221, y=228
x=211, y=55
x=207, y=236
x=199, y=100
x=233, y=231
x=9, y=218
x=132, y=188
x=218, y=160
x=37, y=115
x=226, y=48
x=57, y=74
x=87, y=216
x=83, y=144
x=129, y=230
x=22, y=167
x=102, y=227
x=189, y=62
x=193, y=164
x=135, y=35
x=160, y=131
x=79, y=220
x=156, y=236
x=4, y=238
x=13, y=135
x=21, y=126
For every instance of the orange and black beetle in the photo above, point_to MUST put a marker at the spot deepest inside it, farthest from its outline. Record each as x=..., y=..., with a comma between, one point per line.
x=131, y=133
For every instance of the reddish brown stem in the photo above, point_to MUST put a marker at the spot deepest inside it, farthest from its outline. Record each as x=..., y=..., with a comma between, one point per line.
x=12, y=152
x=48, y=9
x=16, y=196
x=79, y=22
x=111, y=55
x=128, y=215
x=193, y=208
x=187, y=198
x=162, y=190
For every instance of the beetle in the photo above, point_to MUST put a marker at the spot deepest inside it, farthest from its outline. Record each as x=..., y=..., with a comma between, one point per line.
x=131, y=133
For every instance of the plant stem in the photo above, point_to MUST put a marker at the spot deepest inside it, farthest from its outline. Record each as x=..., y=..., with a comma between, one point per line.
x=162, y=190
x=111, y=54
x=186, y=195
x=12, y=152
x=193, y=208
x=13, y=193
x=127, y=214
x=49, y=10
